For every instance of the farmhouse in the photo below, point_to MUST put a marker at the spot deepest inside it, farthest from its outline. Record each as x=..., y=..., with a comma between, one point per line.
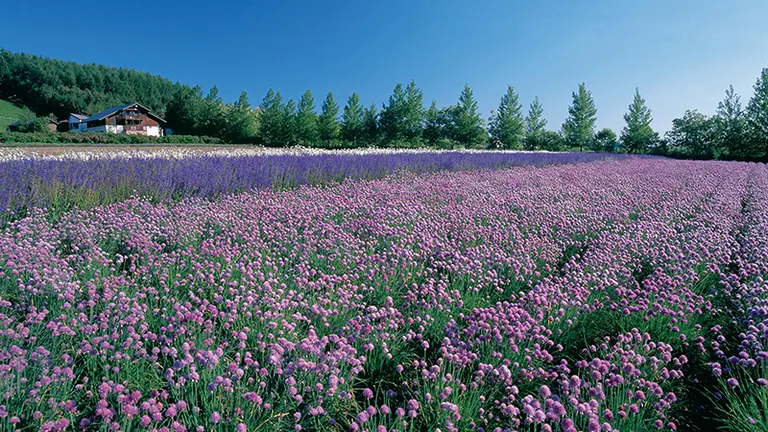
x=129, y=119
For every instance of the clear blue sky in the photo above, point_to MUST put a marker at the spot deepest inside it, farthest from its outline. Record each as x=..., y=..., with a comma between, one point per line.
x=680, y=53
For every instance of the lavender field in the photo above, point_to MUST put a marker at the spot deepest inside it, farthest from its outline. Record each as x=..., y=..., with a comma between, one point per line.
x=416, y=295
x=86, y=179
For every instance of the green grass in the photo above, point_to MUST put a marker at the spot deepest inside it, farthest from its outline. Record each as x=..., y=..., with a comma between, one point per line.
x=10, y=113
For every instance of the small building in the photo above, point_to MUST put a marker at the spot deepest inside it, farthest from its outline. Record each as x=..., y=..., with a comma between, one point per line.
x=129, y=119
x=76, y=123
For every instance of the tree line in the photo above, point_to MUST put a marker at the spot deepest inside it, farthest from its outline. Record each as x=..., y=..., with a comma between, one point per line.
x=56, y=88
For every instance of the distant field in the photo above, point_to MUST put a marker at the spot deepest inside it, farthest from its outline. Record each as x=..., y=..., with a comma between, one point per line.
x=9, y=113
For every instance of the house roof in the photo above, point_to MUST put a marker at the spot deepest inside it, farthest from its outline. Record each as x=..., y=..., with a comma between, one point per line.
x=79, y=116
x=110, y=111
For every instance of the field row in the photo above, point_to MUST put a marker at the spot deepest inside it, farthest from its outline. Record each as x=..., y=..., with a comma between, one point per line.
x=89, y=178
x=613, y=295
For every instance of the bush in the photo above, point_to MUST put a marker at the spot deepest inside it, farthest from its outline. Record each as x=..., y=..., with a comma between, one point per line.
x=101, y=138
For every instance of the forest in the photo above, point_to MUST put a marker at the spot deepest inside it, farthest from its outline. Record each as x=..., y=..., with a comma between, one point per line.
x=54, y=88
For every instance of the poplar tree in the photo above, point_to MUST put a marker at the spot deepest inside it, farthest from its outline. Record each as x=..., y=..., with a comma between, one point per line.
x=306, y=120
x=731, y=125
x=757, y=115
x=638, y=136
x=579, y=127
x=534, y=126
x=328, y=123
x=507, y=123
x=467, y=126
x=352, y=120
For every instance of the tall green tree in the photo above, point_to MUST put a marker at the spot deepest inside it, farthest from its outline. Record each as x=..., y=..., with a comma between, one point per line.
x=579, y=127
x=638, y=136
x=352, y=120
x=213, y=121
x=392, y=117
x=434, y=125
x=694, y=133
x=414, y=112
x=370, y=133
x=507, y=124
x=306, y=120
x=730, y=124
x=467, y=126
x=757, y=115
x=328, y=123
x=272, y=120
x=288, y=124
x=534, y=126
x=241, y=121
x=185, y=110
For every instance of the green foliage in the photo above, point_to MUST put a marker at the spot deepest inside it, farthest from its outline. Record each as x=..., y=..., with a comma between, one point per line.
x=288, y=124
x=352, y=120
x=271, y=120
x=550, y=141
x=434, y=125
x=507, y=124
x=414, y=112
x=306, y=120
x=403, y=117
x=694, y=133
x=465, y=124
x=328, y=123
x=638, y=136
x=730, y=125
x=757, y=115
x=370, y=132
x=243, y=121
x=54, y=86
x=579, y=127
x=605, y=141
x=534, y=126
x=10, y=113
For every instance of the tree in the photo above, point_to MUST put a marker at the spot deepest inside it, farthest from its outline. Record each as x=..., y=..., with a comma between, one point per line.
x=434, y=125
x=184, y=111
x=693, y=133
x=466, y=125
x=402, y=119
x=242, y=121
x=370, y=132
x=730, y=125
x=534, y=126
x=605, y=141
x=757, y=116
x=414, y=112
x=392, y=117
x=306, y=120
x=507, y=124
x=212, y=120
x=579, y=127
x=352, y=120
x=272, y=120
x=287, y=128
x=638, y=136
x=550, y=141
x=328, y=123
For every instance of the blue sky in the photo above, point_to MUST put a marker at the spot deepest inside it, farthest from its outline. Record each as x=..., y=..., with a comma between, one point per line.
x=682, y=54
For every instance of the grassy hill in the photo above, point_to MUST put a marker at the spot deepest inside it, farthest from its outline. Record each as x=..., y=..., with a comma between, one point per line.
x=10, y=113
